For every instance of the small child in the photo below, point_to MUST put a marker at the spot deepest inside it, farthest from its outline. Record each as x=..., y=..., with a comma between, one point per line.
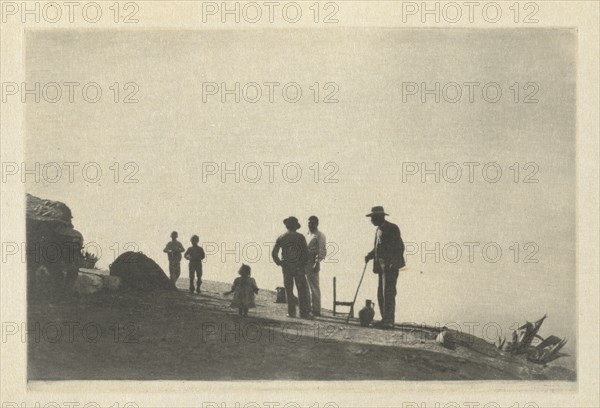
x=244, y=288
x=195, y=254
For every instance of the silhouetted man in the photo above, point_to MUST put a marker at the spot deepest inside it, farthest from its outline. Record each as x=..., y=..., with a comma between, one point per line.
x=294, y=255
x=174, y=249
x=317, y=250
x=388, y=258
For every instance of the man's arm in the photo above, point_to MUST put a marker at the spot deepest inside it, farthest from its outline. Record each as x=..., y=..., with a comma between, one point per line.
x=400, y=244
x=396, y=245
x=304, y=255
x=167, y=249
x=402, y=261
x=322, y=247
x=275, y=253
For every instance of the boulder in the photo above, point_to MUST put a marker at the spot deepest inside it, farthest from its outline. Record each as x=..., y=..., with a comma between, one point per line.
x=52, y=243
x=88, y=283
x=111, y=282
x=137, y=271
x=445, y=339
x=39, y=209
x=91, y=281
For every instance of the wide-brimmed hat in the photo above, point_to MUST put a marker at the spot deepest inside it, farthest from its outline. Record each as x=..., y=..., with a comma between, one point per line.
x=377, y=210
x=292, y=222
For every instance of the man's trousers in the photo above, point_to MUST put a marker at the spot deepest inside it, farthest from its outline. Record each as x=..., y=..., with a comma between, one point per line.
x=174, y=271
x=294, y=274
x=386, y=294
x=312, y=276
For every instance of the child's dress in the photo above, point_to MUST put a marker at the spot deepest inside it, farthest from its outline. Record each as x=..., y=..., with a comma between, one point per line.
x=244, y=288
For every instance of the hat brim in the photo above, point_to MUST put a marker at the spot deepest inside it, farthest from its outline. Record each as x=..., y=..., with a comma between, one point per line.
x=289, y=224
x=377, y=213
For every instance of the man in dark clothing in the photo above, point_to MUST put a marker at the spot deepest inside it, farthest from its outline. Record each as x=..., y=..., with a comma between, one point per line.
x=388, y=258
x=195, y=254
x=174, y=249
x=294, y=256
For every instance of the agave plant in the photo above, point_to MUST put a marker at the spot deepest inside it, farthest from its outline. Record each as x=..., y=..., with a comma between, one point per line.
x=522, y=338
x=548, y=350
x=89, y=259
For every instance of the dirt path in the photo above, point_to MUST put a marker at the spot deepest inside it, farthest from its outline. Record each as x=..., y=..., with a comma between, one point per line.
x=180, y=336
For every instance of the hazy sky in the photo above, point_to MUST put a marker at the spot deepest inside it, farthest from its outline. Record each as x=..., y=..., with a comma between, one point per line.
x=368, y=135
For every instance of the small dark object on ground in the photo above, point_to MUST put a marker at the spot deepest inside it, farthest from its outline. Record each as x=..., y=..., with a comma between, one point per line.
x=280, y=295
x=445, y=339
x=281, y=298
x=366, y=314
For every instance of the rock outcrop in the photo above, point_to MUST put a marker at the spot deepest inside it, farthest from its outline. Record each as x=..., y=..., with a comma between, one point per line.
x=137, y=271
x=53, y=246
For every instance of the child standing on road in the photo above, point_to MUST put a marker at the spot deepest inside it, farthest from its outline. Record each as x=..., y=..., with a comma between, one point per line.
x=244, y=288
x=195, y=254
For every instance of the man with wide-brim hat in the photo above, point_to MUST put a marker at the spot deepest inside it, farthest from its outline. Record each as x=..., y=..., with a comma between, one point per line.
x=294, y=255
x=388, y=258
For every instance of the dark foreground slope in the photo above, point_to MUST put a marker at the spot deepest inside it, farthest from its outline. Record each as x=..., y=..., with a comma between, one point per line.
x=167, y=335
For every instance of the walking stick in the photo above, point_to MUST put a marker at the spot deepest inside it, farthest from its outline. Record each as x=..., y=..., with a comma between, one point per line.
x=356, y=294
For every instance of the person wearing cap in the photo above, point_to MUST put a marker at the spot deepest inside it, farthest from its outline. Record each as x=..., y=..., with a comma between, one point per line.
x=317, y=250
x=294, y=256
x=174, y=249
x=388, y=258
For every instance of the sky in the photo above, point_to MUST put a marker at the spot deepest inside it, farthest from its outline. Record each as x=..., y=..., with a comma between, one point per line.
x=364, y=147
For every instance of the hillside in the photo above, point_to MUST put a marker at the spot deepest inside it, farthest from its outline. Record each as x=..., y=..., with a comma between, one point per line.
x=181, y=336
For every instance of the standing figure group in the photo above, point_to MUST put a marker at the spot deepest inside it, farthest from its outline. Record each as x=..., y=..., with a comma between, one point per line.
x=300, y=260
x=194, y=254
x=300, y=263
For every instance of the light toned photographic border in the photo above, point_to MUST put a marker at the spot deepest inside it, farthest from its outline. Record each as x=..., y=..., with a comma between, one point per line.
x=188, y=15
